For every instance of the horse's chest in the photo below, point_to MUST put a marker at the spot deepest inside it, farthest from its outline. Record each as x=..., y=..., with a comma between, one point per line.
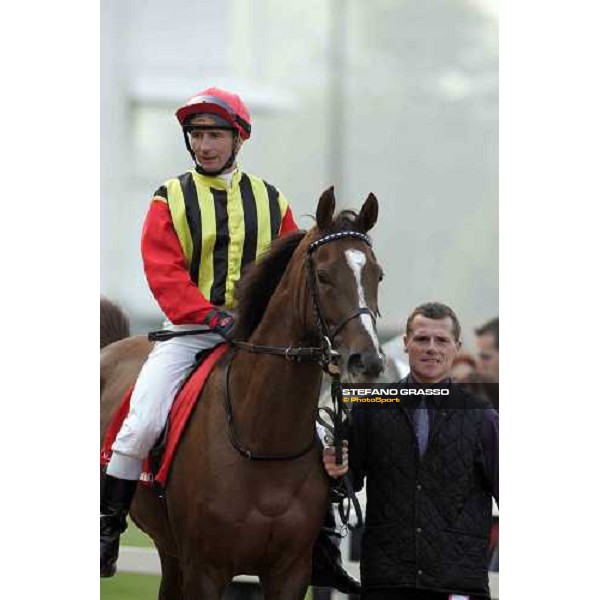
x=261, y=507
x=276, y=503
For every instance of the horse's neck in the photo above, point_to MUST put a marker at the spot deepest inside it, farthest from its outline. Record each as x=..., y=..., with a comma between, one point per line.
x=275, y=400
x=286, y=319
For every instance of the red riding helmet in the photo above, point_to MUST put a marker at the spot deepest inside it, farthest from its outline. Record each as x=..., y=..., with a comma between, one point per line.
x=219, y=102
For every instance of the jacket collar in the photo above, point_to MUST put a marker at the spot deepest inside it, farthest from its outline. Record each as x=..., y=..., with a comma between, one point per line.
x=217, y=182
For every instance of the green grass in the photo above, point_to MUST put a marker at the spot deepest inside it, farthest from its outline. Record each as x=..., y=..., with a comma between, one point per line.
x=130, y=586
x=135, y=537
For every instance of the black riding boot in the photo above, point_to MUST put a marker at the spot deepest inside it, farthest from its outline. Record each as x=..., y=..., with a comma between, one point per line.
x=327, y=568
x=115, y=501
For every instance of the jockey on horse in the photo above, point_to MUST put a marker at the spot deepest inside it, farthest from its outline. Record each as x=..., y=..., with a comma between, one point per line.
x=201, y=229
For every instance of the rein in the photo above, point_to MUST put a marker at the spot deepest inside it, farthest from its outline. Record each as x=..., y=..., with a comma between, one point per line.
x=231, y=425
x=343, y=489
x=325, y=355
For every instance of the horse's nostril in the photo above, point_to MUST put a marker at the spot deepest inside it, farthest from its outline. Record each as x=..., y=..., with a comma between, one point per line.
x=368, y=363
x=375, y=365
x=355, y=363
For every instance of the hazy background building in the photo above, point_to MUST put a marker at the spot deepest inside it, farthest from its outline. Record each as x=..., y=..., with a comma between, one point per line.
x=395, y=97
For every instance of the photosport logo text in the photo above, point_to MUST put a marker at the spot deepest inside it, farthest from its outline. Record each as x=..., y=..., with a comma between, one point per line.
x=387, y=395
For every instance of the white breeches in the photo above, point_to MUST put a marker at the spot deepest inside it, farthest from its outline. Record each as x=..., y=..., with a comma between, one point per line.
x=168, y=364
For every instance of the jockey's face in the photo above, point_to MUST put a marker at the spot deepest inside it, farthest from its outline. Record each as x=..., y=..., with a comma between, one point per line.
x=431, y=348
x=212, y=147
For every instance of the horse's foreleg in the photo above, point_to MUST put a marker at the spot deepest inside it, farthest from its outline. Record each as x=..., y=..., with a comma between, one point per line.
x=288, y=583
x=171, y=580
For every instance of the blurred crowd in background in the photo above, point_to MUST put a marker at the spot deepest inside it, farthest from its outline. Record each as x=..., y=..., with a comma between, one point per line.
x=481, y=367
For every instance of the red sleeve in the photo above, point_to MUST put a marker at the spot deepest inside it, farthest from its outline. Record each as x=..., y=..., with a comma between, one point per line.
x=164, y=265
x=287, y=223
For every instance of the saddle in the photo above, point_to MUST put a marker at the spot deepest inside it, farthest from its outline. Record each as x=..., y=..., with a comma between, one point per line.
x=156, y=467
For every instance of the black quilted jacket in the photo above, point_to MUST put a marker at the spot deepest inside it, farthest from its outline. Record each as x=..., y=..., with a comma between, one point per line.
x=428, y=519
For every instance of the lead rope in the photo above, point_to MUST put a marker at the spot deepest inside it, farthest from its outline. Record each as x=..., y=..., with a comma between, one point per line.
x=344, y=490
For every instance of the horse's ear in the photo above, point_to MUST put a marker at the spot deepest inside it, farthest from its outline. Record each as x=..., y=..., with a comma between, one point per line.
x=325, y=209
x=368, y=213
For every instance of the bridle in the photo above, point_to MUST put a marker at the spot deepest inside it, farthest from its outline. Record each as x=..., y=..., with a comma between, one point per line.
x=325, y=333
x=324, y=354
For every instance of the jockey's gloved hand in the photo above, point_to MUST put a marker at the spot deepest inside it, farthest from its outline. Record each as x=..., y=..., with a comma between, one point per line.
x=220, y=322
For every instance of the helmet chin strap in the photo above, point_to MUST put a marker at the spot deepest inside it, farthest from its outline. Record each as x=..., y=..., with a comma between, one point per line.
x=200, y=169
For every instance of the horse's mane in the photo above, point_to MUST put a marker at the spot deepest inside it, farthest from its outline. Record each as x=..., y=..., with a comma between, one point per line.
x=260, y=279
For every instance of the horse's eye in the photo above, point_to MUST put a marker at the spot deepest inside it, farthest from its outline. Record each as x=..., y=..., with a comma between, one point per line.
x=323, y=277
x=381, y=276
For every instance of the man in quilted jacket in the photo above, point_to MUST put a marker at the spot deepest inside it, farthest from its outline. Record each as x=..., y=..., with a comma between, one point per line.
x=431, y=468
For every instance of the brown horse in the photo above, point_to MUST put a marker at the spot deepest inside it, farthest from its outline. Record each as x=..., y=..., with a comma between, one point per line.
x=225, y=514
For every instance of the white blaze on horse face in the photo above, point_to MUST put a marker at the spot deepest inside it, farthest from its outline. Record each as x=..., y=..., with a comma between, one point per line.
x=356, y=261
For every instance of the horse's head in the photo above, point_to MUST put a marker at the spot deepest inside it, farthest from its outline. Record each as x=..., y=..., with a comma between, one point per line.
x=344, y=278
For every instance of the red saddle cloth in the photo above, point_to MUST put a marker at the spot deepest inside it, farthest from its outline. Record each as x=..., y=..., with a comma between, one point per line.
x=180, y=411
